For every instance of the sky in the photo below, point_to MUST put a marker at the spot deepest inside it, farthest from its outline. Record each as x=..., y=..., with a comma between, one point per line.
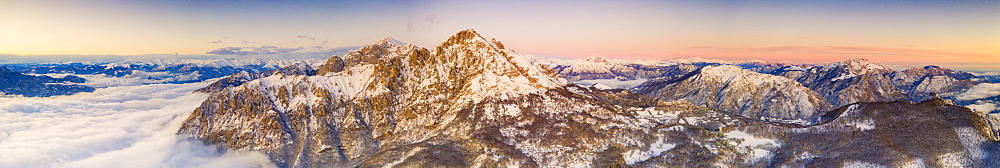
x=960, y=35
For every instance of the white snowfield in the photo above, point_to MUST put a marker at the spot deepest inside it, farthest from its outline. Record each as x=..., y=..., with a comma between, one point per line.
x=758, y=146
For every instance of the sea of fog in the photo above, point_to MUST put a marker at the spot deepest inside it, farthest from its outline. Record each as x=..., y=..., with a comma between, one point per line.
x=122, y=126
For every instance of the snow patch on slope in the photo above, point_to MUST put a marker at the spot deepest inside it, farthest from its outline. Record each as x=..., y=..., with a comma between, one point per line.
x=757, y=144
x=861, y=164
x=863, y=125
x=636, y=156
x=844, y=76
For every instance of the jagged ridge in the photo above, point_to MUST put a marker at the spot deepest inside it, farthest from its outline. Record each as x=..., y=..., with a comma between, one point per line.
x=747, y=93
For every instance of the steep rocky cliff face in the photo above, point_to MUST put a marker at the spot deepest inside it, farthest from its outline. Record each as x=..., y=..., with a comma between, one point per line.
x=739, y=91
x=470, y=102
x=855, y=80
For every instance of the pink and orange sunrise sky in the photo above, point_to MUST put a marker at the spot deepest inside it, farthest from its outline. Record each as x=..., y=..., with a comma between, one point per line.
x=960, y=35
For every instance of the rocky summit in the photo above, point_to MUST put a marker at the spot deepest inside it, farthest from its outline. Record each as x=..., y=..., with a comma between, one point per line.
x=472, y=102
x=743, y=92
x=855, y=80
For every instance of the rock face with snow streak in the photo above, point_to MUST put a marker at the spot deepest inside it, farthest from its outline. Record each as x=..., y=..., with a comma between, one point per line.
x=855, y=80
x=739, y=91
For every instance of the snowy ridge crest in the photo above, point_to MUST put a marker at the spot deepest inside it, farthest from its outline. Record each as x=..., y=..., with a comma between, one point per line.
x=858, y=66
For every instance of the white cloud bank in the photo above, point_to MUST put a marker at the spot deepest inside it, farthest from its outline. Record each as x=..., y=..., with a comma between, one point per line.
x=128, y=126
x=136, y=78
x=980, y=91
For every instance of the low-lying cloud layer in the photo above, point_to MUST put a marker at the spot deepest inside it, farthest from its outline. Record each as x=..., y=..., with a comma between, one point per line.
x=983, y=94
x=135, y=78
x=980, y=91
x=128, y=126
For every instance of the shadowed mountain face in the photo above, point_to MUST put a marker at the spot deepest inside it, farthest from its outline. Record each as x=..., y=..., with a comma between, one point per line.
x=470, y=102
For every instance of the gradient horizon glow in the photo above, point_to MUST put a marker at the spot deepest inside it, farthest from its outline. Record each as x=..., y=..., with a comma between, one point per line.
x=960, y=35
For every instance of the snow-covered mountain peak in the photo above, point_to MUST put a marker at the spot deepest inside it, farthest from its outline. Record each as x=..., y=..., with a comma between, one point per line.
x=699, y=59
x=489, y=64
x=929, y=70
x=465, y=64
x=755, y=61
x=730, y=72
x=850, y=81
x=390, y=40
x=722, y=68
x=859, y=59
x=470, y=38
x=372, y=54
x=597, y=59
x=729, y=88
x=858, y=66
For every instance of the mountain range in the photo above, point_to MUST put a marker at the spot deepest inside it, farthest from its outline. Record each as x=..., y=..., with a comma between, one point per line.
x=473, y=102
x=839, y=83
x=16, y=83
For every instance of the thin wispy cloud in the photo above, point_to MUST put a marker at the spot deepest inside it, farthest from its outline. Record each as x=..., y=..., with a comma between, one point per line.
x=260, y=50
x=432, y=19
x=426, y=25
x=306, y=37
